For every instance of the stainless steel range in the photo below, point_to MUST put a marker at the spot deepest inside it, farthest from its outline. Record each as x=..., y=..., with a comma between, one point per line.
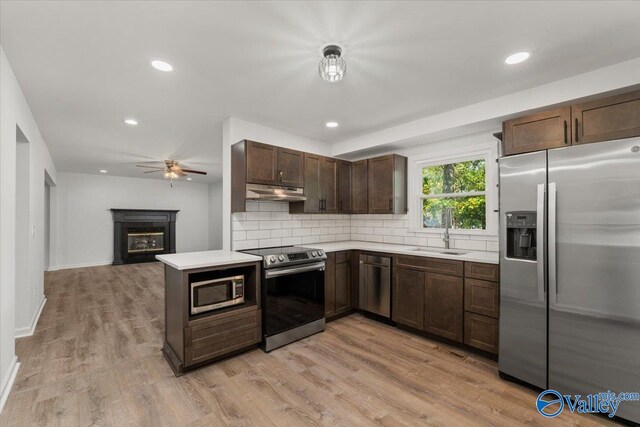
x=292, y=293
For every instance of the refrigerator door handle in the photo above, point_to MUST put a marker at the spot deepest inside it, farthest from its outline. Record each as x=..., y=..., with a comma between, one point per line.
x=540, y=208
x=553, y=278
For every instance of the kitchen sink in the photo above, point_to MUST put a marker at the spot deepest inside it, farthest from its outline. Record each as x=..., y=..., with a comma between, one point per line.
x=440, y=251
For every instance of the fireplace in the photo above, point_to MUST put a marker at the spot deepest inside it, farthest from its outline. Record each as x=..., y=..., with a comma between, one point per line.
x=141, y=234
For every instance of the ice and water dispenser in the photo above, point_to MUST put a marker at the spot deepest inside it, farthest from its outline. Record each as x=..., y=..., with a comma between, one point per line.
x=521, y=235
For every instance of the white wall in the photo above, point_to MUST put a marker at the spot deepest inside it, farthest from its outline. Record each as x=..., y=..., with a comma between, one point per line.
x=85, y=232
x=215, y=215
x=14, y=111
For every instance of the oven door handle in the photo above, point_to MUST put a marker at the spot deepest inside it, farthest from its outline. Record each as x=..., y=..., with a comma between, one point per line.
x=288, y=271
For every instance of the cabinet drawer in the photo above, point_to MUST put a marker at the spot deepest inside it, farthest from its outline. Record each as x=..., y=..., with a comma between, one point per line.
x=478, y=270
x=436, y=265
x=208, y=338
x=482, y=297
x=481, y=332
x=342, y=256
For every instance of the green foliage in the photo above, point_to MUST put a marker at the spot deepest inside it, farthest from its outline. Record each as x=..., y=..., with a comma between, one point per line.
x=468, y=212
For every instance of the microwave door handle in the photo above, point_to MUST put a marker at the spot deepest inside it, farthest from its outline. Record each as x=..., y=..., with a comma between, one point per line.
x=288, y=271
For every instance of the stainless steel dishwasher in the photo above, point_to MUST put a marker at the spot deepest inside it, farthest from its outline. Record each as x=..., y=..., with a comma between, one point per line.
x=375, y=284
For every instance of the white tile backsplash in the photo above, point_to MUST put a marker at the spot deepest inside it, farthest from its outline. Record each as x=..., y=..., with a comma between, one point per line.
x=270, y=224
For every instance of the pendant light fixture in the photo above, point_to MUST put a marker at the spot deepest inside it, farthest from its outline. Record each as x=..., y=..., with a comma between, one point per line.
x=332, y=67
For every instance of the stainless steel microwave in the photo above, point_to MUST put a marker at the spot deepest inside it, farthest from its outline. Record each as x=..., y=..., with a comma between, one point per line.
x=217, y=293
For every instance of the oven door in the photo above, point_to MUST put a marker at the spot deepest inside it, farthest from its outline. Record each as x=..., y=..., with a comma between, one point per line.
x=294, y=296
x=218, y=293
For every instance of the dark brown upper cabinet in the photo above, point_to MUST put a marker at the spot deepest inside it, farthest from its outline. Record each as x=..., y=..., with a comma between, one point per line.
x=267, y=164
x=387, y=184
x=320, y=186
x=541, y=131
x=344, y=186
x=605, y=119
x=329, y=185
x=262, y=163
x=290, y=168
x=359, y=187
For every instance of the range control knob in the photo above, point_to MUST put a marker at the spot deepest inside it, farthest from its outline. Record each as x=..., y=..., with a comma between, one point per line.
x=272, y=259
x=320, y=253
x=314, y=254
x=281, y=258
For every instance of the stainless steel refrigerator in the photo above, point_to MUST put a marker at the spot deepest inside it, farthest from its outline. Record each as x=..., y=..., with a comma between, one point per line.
x=570, y=269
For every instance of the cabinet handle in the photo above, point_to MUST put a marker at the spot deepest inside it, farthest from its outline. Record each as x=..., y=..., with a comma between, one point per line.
x=340, y=205
x=280, y=176
x=576, y=129
x=565, y=132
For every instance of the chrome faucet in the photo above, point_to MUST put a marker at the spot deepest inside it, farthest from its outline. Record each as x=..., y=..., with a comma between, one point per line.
x=447, y=224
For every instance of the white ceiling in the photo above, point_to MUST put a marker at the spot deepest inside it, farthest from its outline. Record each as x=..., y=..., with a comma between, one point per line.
x=84, y=67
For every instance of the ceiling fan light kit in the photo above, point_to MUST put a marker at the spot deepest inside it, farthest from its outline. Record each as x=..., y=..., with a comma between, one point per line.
x=332, y=67
x=172, y=170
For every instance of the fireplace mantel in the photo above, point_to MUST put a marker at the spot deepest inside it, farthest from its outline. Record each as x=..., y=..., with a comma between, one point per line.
x=151, y=221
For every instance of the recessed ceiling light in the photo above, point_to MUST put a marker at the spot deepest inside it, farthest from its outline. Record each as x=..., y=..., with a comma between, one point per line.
x=132, y=122
x=331, y=124
x=517, y=58
x=188, y=179
x=103, y=171
x=161, y=65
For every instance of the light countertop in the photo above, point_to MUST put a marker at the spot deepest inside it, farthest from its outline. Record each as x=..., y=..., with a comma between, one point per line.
x=191, y=260
x=474, y=256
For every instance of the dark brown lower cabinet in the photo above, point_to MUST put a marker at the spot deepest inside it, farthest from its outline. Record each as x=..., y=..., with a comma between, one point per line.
x=481, y=332
x=443, y=306
x=408, y=297
x=330, y=285
x=343, y=286
x=337, y=283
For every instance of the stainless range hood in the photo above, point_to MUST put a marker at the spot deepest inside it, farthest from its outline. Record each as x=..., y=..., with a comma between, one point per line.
x=274, y=192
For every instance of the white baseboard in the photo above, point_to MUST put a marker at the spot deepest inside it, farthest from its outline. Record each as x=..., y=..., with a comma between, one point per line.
x=29, y=330
x=82, y=265
x=7, y=381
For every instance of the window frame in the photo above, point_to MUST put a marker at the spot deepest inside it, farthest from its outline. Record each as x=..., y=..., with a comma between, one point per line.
x=490, y=192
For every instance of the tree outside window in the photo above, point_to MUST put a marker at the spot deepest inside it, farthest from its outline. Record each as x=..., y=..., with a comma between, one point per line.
x=459, y=186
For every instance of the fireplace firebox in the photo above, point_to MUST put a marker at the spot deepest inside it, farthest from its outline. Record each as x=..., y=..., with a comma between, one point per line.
x=141, y=234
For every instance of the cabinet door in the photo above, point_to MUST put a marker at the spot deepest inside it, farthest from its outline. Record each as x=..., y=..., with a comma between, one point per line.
x=359, y=188
x=262, y=161
x=312, y=183
x=548, y=129
x=606, y=119
x=290, y=167
x=343, y=287
x=481, y=332
x=344, y=186
x=482, y=297
x=330, y=285
x=408, y=297
x=380, y=184
x=443, y=306
x=329, y=184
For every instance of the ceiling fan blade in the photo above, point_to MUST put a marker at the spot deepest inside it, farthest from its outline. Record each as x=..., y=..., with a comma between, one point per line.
x=150, y=167
x=160, y=170
x=194, y=171
x=180, y=172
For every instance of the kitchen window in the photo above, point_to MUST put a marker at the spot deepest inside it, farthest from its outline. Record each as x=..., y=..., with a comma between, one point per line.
x=463, y=184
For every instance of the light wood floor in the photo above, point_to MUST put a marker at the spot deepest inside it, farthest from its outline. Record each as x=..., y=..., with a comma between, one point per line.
x=95, y=360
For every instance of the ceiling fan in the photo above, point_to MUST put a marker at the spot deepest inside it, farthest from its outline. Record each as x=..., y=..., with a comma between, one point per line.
x=172, y=170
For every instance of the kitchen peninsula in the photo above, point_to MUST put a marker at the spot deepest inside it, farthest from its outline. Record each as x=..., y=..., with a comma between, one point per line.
x=212, y=307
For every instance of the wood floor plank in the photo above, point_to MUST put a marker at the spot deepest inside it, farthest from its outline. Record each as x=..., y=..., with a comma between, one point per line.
x=95, y=359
